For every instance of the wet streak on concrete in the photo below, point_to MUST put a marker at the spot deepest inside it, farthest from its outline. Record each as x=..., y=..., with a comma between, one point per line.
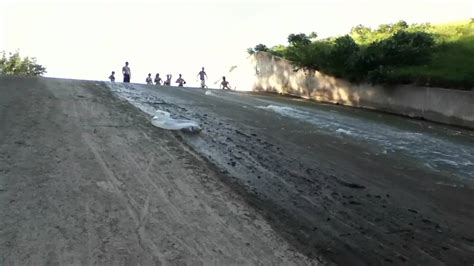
x=326, y=194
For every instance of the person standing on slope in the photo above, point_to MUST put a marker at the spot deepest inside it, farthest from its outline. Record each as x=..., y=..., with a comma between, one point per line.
x=148, y=80
x=180, y=81
x=112, y=77
x=126, y=73
x=157, y=79
x=202, y=76
x=168, y=80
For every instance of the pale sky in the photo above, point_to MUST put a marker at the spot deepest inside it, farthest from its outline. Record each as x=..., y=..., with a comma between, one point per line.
x=89, y=39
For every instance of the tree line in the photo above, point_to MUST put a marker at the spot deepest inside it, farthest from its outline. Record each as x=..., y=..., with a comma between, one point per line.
x=380, y=55
x=14, y=64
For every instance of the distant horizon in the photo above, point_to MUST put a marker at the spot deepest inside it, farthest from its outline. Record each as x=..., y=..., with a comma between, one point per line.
x=153, y=37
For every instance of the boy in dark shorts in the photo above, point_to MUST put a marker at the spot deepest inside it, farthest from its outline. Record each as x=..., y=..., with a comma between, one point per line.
x=126, y=73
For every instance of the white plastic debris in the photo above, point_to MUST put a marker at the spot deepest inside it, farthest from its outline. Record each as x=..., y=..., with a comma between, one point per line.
x=163, y=120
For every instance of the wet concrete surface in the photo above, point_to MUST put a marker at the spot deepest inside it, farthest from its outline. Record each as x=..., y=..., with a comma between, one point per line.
x=354, y=201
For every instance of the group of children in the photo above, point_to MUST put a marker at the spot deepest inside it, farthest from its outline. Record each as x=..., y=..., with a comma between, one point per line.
x=167, y=82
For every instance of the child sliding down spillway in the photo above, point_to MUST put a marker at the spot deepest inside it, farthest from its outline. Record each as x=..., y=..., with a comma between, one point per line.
x=163, y=120
x=137, y=96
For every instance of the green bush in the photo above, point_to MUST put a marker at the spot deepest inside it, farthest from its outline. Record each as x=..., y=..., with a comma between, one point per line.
x=258, y=48
x=15, y=65
x=403, y=49
x=278, y=50
x=298, y=39
x=313, y=56
x=341, y=55
x=376, y=62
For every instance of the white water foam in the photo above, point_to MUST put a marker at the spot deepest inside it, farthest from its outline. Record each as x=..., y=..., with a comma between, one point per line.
x=343, y=131
x=143, y=101
x=437, y=153
x=286, y=111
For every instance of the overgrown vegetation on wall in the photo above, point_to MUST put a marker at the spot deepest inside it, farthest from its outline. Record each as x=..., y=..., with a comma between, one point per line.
x=14, y=64
x=423, y=54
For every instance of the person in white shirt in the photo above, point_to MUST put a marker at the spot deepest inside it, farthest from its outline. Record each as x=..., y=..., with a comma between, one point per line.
x=157, y=79
x=180, y=81
x=202, y=76
x=112, y=77
x=126, y=73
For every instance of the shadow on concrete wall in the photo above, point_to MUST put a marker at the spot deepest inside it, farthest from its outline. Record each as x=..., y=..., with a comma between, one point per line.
x=274, y=74
x=277, y=75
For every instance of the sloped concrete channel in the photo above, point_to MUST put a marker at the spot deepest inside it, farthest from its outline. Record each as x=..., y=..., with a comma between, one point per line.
x=355, y=186
x=85, y=178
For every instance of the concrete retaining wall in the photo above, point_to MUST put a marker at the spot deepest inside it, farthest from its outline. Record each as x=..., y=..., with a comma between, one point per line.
x=275, y=74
